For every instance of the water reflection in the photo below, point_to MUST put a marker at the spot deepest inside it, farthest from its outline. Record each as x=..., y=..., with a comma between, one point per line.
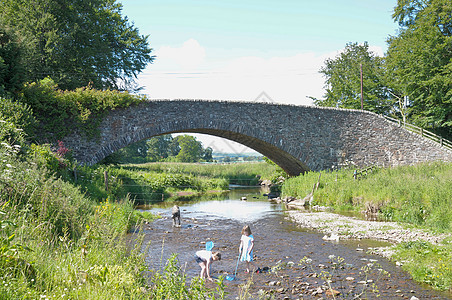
x=229, y=206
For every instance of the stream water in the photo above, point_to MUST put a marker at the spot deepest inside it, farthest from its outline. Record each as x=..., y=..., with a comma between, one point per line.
x=279, y=246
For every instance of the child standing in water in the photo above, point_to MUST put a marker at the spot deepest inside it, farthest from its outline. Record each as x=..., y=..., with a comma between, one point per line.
x=205, y=258
x=246, y=248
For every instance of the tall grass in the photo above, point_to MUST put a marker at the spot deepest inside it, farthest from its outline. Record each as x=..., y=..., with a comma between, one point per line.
x=139, y=184
x=56, y=242
x=239, y=173
x=420, y=194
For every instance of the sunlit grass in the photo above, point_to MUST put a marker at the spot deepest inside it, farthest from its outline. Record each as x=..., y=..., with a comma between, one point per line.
x=420, y=195
x=417, y=196
x=56, y=242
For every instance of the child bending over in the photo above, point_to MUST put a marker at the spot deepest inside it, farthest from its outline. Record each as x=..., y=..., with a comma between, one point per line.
x=205, y=258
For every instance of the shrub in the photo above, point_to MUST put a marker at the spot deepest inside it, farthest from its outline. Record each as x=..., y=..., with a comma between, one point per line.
x=18, y=114
x=61, y=112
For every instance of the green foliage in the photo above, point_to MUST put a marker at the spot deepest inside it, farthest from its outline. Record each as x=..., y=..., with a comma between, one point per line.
x=162, y=148
x=428, y=263
x=419, y=62
x=171, y=284
x=19, y=114
x=78, y=43
x=343, y=84
x=12, y=69
x=10, y=135
x=419, y=194
x=10, y=261
x=242, y=174
x=414, y=79
x=190, y=149
x=56, y=243
x=60, y=112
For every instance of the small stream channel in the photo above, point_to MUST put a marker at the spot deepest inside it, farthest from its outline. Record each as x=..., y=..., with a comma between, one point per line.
x=279, y=245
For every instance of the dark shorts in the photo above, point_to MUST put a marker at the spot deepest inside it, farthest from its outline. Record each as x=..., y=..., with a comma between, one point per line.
x=199, y=259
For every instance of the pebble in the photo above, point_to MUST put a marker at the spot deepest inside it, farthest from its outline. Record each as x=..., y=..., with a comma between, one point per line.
x=360, y=229
x=349, y=278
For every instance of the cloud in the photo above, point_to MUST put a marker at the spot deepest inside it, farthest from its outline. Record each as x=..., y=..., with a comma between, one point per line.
x=187, y=57
x=185, y=73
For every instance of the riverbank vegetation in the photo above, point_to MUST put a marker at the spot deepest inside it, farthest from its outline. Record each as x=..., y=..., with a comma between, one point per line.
x=419, y=196
x=236, y=173
x=152, y=182
x=58, y=241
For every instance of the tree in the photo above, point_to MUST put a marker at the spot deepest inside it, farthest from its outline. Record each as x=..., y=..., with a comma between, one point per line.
x=419, y=62
x=12, y=71
x=190, y=149
x=78, y=43
x=343, y=83
x=207, y=154
x=159, y=147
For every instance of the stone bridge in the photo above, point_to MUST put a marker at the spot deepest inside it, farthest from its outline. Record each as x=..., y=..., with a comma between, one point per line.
x=297, y=138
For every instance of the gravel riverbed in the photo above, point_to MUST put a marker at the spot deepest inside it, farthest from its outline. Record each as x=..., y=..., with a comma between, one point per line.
x=338, y=227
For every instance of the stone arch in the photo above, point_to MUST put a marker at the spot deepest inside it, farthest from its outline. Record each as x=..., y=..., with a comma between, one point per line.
x=290, y=164
x=298, y=138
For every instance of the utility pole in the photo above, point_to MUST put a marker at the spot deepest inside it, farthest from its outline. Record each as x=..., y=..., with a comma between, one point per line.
x=361, y=67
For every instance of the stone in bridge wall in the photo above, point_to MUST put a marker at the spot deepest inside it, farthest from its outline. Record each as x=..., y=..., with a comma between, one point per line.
x=298, y=138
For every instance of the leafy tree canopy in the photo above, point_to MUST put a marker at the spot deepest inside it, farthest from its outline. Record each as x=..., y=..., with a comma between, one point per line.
x=190, y=149
x=343, y=83
x=419, y=62
x=12, y=70
x=78, y=43
x=183, y=148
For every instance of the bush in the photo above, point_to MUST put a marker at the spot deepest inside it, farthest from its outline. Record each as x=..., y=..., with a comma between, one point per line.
x=61, y=112
x=18, y=114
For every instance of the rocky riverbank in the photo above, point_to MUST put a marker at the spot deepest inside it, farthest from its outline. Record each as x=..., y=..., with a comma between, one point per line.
x=338, y=227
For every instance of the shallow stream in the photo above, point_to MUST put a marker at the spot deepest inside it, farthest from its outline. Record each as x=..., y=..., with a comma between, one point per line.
x=279, y=246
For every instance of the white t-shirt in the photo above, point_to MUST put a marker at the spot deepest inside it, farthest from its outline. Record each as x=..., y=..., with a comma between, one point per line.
x=204, y=254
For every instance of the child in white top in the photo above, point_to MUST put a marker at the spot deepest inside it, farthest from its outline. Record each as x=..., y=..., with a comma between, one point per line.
x=205, y=258
x=246, y=248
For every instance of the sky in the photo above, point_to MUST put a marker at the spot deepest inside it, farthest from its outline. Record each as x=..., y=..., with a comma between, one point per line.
x=248, y=50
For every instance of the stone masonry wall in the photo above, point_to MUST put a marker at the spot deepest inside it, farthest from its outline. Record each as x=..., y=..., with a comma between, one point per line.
x=298, y=138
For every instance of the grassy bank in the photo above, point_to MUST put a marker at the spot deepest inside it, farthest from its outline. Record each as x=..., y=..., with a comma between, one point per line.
x=145, y=183
x=58, y=242
x=419, y=196
x=141, y=185
x=238, y=173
